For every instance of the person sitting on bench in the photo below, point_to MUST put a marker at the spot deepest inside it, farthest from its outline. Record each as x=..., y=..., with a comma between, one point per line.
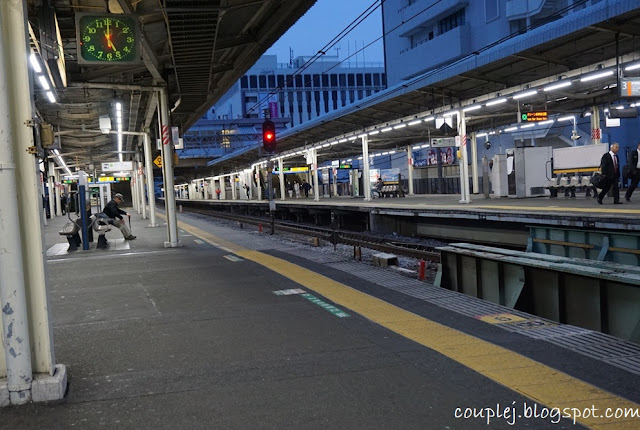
x=112, y=211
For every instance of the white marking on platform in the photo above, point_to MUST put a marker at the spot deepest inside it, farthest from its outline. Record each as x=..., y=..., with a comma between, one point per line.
x=289, y=292
x=58, y=249
x=232, y=258
x=198, y=241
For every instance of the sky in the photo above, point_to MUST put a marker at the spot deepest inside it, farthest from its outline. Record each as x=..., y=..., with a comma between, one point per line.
x=324, y=21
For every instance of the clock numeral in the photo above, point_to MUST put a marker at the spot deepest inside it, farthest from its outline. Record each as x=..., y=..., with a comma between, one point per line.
x=109, y=56
x=100, y=54
x=91, y=30
x=126, y=49
x=86, y=39
x=129, y=39
x=118, y=55
x=91, y=48
x=99, y=24
x=125, y=30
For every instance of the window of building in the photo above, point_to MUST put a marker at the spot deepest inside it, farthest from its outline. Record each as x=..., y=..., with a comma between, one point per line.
x=289, y=81
x=376, y=79
x=491, y=9
x=384, y=80
x=253, y=81
x=280, y=81
x=251, y=99
x=271, y=81
x=298, y=81
x=450, y=22
x=325, y=95
x=359, y=94
x=262, y=80
x=367, y=79
x=307, y=81
x=244, y=82
x=342, y=80
x=316, y=80
x=325, y=81
x=359, y=80
x=334, y=80
x=351, y=80
x=352, y=96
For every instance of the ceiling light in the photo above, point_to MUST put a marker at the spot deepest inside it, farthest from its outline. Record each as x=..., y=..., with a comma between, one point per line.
x=362, y=135
x=417, y=147
x=326, y=145
x=43, y=83
x=335, y=142
x=510, y=129
x=342, y=140
x=597, y=76
x=399, y=126
x=525, y=94
x=415, y=122
x=557, y=85
x=385, y=153
x=426, y=145
x=471, y=108
x=451, y=113
x=549, y=121
x=52, y=98
x=392, y=152
x=619, y=107
x=36, y=64
x=481, y=134
x=527, y=126
x=374, y=132
x=633, y=67
x=384, y=130
x=496, y=102
x=353, y=137
x=429, y=118
x=567, y=118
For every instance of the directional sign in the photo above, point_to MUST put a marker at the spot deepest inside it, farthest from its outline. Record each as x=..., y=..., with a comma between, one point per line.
x=534, y=116
x=629, y=87
x=158, y=161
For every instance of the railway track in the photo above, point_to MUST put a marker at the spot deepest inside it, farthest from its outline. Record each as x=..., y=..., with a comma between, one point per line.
x=335, y=236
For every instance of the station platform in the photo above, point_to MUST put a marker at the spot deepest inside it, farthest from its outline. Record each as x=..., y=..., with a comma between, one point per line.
x=238, y=330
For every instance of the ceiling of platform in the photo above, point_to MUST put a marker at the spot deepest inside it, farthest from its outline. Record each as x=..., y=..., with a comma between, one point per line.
x=196, y=48
x=574, y=53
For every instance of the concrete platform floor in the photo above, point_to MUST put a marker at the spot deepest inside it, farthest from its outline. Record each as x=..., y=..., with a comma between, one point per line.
x=195, y=337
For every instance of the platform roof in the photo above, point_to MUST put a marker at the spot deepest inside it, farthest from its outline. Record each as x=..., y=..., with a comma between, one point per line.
x=569, y=47
x=196, y=48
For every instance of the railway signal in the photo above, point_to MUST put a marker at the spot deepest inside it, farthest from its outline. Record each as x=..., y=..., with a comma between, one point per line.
x=269, y=136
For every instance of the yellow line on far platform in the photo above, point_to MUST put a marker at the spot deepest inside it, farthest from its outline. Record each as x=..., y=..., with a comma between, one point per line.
x=530, y=378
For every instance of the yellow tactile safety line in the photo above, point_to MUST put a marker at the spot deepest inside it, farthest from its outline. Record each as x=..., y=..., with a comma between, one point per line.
x=530, y=378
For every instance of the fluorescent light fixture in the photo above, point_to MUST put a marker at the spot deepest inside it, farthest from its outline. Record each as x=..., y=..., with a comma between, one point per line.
x=353, y=137
x=481, y=135
x=606, y=110
x=392, y=152
x=471, y=108
x=384, y=130
x=587, y=114
x=349, y=160
x=326, y=145
x=43, y=83
x=451, y=113
x=385, y=153
x=633, y=67
x=51, y=97
x=360, y=157
x=557, y=85
x=496, y=102
x=619, y=107
x=567, y=118
x=36, y=64
x=362, y=135
x=415, y=122
x=342, y=140
x=395, y=127
x=549, y=121
x=374, y=132
x=335, y=142
x=429, y=118
x=417, y=147
x=426, y=145
x=527, y=126
x=510, y=129
x=597, y=76
x=525, y=94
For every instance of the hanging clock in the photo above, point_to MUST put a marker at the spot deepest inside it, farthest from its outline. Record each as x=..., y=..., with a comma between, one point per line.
x=107, y=39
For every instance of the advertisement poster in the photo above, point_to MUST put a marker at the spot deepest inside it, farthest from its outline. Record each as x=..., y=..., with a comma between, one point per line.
x=374, y=174
x=447, y=156
x=390, y=175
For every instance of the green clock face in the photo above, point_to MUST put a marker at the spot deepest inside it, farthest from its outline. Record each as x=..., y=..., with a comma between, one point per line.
x=107, y=38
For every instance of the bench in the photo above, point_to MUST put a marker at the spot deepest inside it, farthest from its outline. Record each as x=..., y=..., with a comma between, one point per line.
x=101, y=225
x=71, y=231
x=570, y=185
x=391, y=190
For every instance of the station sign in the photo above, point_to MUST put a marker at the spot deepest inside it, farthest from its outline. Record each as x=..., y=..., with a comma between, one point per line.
x=117, y=166
x=542, y=115
x=443, y=142
x=629, y=87
x=345, y=166
x=292, y=169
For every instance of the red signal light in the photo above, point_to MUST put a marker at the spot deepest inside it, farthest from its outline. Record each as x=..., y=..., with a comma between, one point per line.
x=269, y=136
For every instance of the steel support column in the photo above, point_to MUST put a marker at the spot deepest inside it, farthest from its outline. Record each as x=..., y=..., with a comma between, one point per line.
x=474, y=163
x=463, y=162
x=150, y=182
x=281, y=177
x=410, y=169
x=366, y=183
x=167, y=166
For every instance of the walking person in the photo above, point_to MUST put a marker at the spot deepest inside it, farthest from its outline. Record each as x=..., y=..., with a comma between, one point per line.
x=610, y=168
x=290, y=190
x=306, y=187
x=634, y=173
x=296, y=187
x=111, y=210
x=246, y=189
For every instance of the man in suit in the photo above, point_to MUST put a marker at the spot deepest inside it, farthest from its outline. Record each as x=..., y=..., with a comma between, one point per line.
x=610, y=168
x=634, y=173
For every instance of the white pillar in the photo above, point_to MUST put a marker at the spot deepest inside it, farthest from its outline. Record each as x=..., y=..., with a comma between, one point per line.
x=134, y=195
x=56, y=179
x=167, y=165
x=596, y=131
x=464, y=173
x=149, y=173
x=334, y=173
x=259, y=182
x=143, y=198
x=223, y=188
x=474, y=163
x=283, y=190
x=316, y=187
x=52, y=191
x=365, y=168
x=234, y=195
x=22, y=268
x=410, y=169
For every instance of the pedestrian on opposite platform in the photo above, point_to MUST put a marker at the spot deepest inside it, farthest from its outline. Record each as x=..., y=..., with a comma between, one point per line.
x=111, y=210
x=634, y=173
x=296, y=187
x=306, y=187
x=246, y=189
x=218, y=191
x=610, y=167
